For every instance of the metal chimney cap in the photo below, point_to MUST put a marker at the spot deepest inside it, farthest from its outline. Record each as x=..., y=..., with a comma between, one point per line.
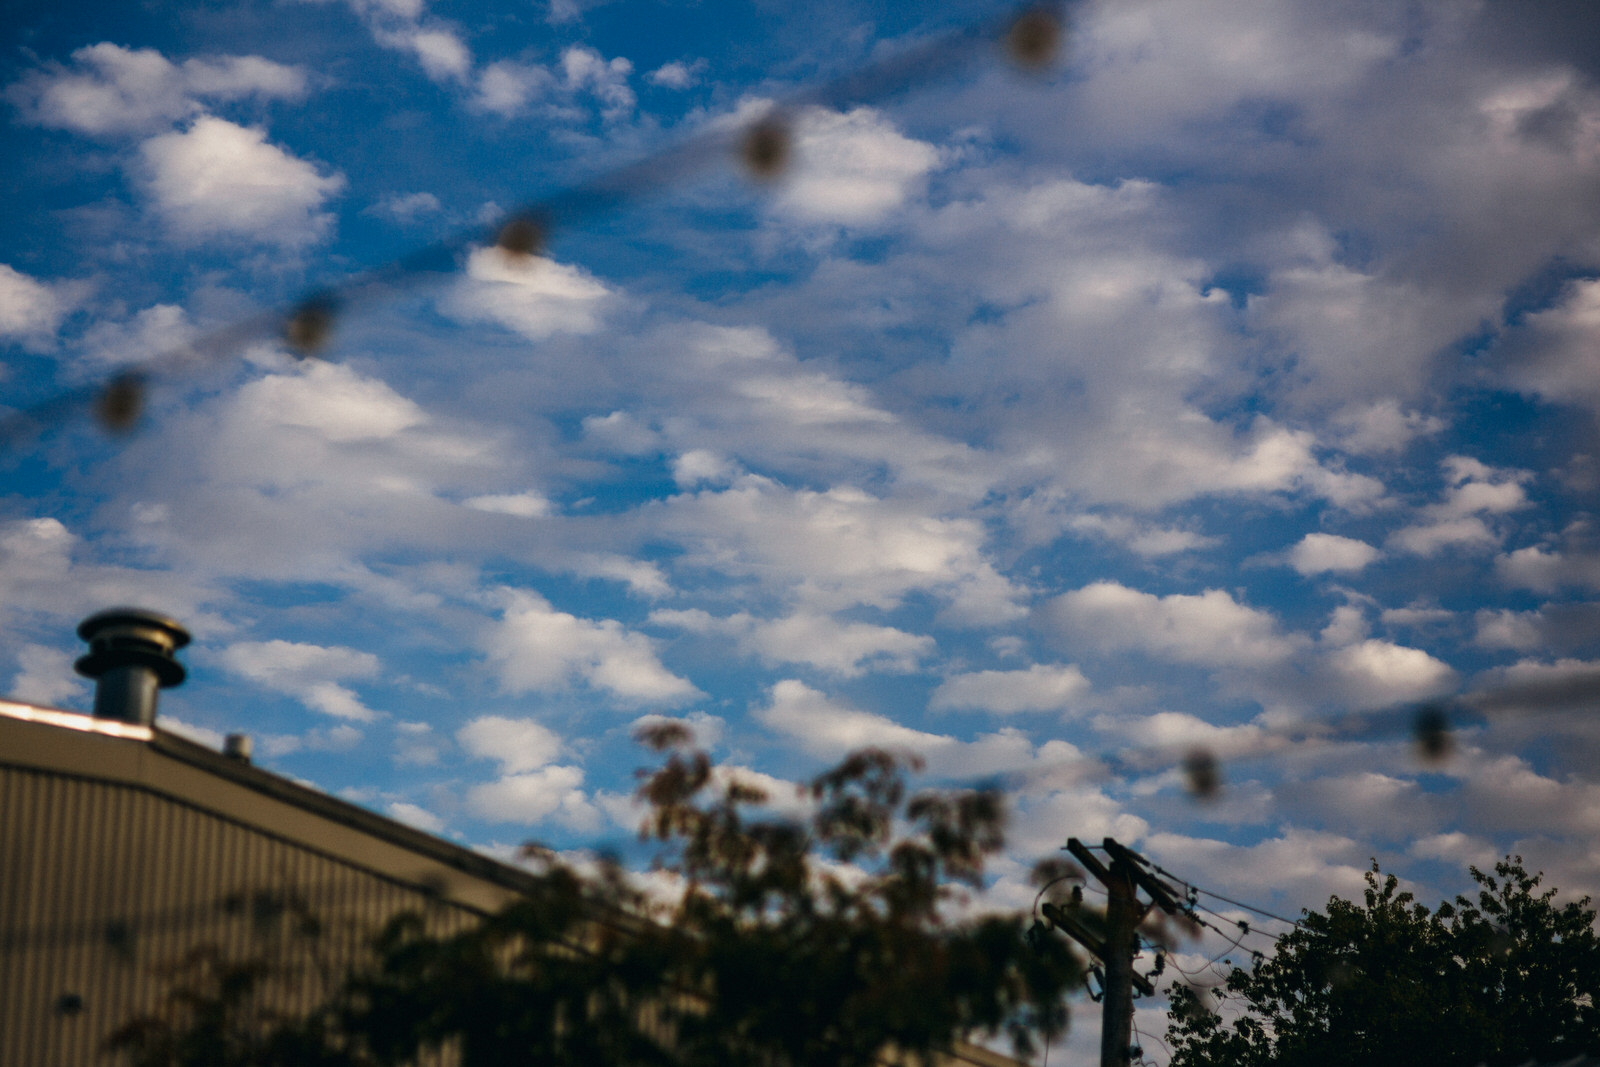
x=120, y=637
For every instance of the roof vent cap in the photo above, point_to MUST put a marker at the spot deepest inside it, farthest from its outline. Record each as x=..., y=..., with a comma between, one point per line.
x=130, y=657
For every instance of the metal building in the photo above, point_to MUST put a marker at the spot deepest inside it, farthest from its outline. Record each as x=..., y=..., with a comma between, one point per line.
x=124, y=847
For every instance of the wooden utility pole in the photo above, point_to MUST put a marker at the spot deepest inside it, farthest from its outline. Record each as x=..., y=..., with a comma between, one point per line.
x=1123, y=878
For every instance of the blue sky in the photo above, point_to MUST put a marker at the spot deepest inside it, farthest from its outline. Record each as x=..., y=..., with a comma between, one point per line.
x=1238, y=371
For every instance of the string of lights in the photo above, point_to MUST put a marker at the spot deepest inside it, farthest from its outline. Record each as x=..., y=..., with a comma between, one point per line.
x=1030, y=38
x=1433, y=728
x=762, y=147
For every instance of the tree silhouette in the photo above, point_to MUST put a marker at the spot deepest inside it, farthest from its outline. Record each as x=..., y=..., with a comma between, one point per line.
x=1508, y=979
x=828, y=941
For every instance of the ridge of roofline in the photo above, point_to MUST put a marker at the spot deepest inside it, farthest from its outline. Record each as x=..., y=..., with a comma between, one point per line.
x=279, y=787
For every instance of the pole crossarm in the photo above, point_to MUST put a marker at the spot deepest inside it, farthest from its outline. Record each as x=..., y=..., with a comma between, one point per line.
x=1160, y=893
x=1081, y=853
x=1074, y=928
x=1127, y=873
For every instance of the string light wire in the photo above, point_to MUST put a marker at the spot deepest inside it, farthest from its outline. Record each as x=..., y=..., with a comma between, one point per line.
x=1030, y=36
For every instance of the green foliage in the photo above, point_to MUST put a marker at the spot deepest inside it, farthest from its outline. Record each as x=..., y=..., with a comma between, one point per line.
x=820, y=943
x=1507, y=979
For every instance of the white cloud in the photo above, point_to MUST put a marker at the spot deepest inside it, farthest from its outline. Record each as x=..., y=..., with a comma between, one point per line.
x=1042, y=687
x=1170, y=731
x=1520, y=630
x=1546, y=570
x=826, y=728
x=843, y=648
x=45, y=676
x=32, y=310
x=1208, y=629
x=1555, y=628
x=300, y=473
x=403, y=26
x=1458, y=849
x=1146, y=539
x=1041, y=822
x=200, y=735
x=1458, y=521
x=529, y=799
x=677, y=74
x=1381, y=426
x=1356, y=335
x=699, y=466
x=585, y=70
x=1531, y=685
x=621, y=433
x=440, y=51
x=1417, y=613
x=1318, y=553
x=308, y=673
x=217, y=179
x=415, y=744
x=506, y=87
x=1557, y=352
x=534, y=296
x=1156, y=66
x=335, y=403
x=706, y=728
x=522, y=505
x=641, y=576
x=851, y=168
x=406, y=207
x=509, y=87
x=535, y=647
x=1505, y=792
x=414, y=816
x=847, y=649
x=1379, y=673
x=839, y=548
x=233, y=77
x=49, y=573
x=113, y=90
x=155, y=331
x=1299, y=864
x=1468, y=533
x=520, y=745
x=409, y=10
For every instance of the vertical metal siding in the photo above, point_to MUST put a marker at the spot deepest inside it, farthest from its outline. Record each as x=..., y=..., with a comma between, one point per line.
x=103, y=885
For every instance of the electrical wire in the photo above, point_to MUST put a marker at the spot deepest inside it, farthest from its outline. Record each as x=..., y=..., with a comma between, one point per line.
x=1245, y=928
x=1246, y=907
x=1152, y=1037
x=1070, y=876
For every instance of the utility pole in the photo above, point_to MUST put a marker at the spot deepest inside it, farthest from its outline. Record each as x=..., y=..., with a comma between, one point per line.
x=1127, y=873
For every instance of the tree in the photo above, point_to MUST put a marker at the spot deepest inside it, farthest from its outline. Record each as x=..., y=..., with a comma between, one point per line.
x=819, y=942
x=1508, y=979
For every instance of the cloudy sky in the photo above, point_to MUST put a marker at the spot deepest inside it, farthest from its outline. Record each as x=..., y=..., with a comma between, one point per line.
x=1239, y=370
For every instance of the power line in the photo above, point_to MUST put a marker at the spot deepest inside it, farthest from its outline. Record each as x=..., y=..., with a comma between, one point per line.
x=1244, y=928
x=1246, y=907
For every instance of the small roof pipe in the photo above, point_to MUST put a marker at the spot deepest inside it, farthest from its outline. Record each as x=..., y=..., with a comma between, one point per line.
x=130, y=657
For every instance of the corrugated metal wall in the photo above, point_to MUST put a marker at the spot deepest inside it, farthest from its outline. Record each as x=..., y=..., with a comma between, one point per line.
x=102, y=886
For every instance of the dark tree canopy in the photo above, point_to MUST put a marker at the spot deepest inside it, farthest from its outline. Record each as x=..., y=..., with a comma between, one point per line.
x=1505, y=979
x=819, y=943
